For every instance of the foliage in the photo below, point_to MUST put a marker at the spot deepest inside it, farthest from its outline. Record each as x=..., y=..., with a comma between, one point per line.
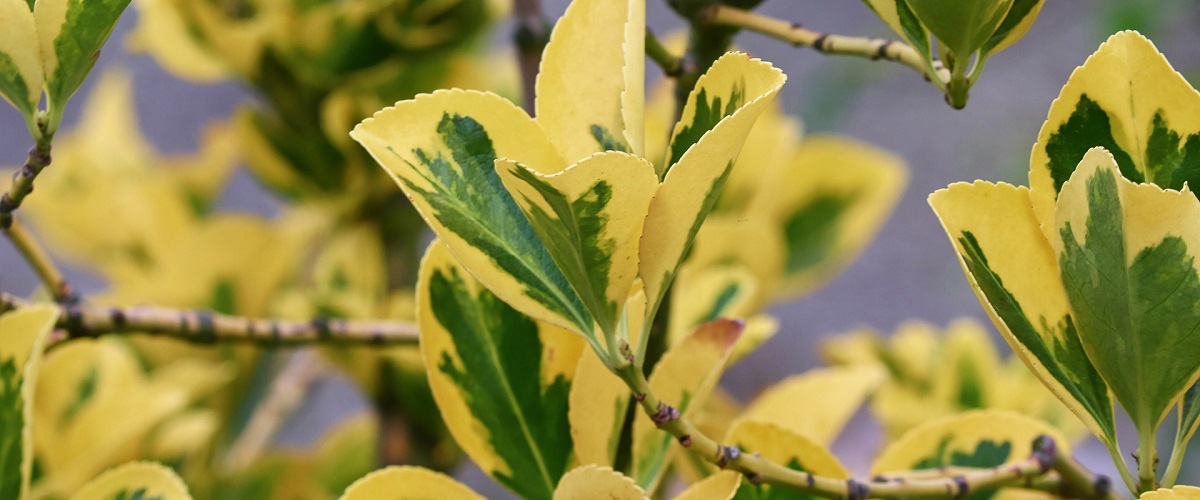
x=595, y=255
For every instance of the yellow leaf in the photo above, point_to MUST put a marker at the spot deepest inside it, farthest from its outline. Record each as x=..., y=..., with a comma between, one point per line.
x=590, y=93
x=702, y=295
x=720, y=486
x=408, y=483
x=1128, y=99
x=985, y=438
x=791, y=403
x=722, y=241
x=23, y=87
x=591, y=482
x=22, y=339
x=684, y=378
x=150, y=479
x=719, y=113
x=780, y=445
x=162, y=32
x=1185, y=492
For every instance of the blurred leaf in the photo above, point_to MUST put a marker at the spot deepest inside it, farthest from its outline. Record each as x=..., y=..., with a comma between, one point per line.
x=133, y=481
x=592, y=482
x=23, y=335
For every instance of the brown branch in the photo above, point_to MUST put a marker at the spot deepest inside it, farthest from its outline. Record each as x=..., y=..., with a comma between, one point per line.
x=206, y=327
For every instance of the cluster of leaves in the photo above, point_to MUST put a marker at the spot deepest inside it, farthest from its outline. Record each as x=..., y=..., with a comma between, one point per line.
x=1090, y=272
x=560, y=239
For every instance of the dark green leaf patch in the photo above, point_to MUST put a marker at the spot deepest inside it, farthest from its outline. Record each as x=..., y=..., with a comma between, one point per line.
x=13, y=85
x=811, y=230
x=1167, y=163
x=88, y=24
x=499, y=375
x=1059, y=352
x=1017, y=13
x=137, y=494
x=987, y=454
x=1089, y=126
x=608, y=141
x=468, y=198
x=12, y=425
x=708, y=114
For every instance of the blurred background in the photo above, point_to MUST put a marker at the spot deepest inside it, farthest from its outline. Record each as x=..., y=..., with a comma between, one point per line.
x=908, y=272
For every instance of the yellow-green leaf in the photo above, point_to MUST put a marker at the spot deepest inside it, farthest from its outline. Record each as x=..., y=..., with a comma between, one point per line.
x=590, y=93
x=793, y=403
x=20, y=62
x=22, y=337
x=500, y=378
x=785, y=447
x=589, y=216
x=720, y=486
x=702, y=295
x=135, y=480
x=591, y=481
x=721, y=242
x=441, y=148
x=715, y=122
x=977, y=439
x=70, y=34
x=683, y=378
x=1014, y=273
x=962, y=26
x=407, y=483
x=1183, y=492
x=1127, y=99
x=1127, y=257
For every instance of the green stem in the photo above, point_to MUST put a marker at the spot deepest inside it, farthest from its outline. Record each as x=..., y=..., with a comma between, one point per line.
x=671, y=65
x=1175, y=462
x=1147, y=462
x=38, y=259
x=1118, y=459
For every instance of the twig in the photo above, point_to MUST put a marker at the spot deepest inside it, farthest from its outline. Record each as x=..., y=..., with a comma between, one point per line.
x=206, y=327
x=671, y=65
x=40, y=261
x=22, y=180
x=825, y=43
x=1041, y=461
x=286, y=394
x=531, y=35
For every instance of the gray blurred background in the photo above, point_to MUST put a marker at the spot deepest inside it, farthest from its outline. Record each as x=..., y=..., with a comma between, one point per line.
x=909, y=271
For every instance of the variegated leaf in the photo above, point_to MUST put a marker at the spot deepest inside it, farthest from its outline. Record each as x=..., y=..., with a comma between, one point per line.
x=500, y=378
x=703, y=295
x=95, y=401
x=977, y=439
x=1016, y=23
x=902, y=20
x=589, y=217
x=591, y=481
x=22, y=339
x=441, y=148
x=721, y=242
x=785, y=447
x=1127, y=99
x=720, y=486
x=407, y=483
x=70, y=34
x=790, y=403
x=1127, y=257
x=1014, y=272
x=715, y=122
x=590, y=93
x=961, y=26
x=830, y=200
x=20, y=63
x=135, y=480
x=684, y=378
